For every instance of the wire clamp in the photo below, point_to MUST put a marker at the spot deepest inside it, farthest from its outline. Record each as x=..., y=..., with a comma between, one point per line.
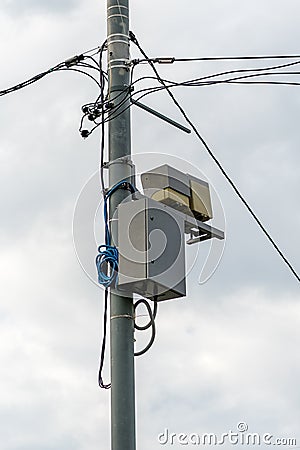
x=169, y=60
x=74, y=60
x=122, y=316
x=124, y=160
x=133, y=62
x=119, y=63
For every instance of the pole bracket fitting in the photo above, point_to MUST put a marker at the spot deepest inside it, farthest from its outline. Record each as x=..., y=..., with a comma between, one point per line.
x=123, y=63
x=123, y=160
x=122, y=316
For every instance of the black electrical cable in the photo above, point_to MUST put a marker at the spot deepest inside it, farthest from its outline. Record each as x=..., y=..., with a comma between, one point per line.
x=202, y=81
x=97, y=109
x=172, y=59
x=30, y=80
x=100, y=379
x=282, y=83
x=147, y=91
x=88, y=66
x=191, y=83
x=94, y=61
x=151, y=323
x=228, y=178
x=171, y=84
x=64, y=66
x=102, y=144
x=116, y=111
x=229, y=80
x=194, y=83
x=230, y=72
x=111, y=113
x=237, y=58
x=154, y=313
x=80, y=71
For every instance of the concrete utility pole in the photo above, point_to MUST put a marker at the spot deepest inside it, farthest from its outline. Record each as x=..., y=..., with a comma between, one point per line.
x=121, y=308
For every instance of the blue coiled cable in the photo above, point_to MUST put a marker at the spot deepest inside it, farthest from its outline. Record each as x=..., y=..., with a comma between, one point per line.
x=108, y=255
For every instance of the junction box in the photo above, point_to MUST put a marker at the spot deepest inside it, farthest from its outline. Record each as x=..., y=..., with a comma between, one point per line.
x=151, y=249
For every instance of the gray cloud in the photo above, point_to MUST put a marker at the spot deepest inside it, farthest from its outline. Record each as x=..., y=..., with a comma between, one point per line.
x=28, y=7
x=231, y=363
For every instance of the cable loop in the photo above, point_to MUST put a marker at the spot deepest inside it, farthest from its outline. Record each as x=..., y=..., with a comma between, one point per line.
x=151, y=323
x=107, y=257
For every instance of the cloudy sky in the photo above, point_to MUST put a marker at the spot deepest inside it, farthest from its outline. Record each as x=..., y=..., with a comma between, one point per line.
x=229, y=351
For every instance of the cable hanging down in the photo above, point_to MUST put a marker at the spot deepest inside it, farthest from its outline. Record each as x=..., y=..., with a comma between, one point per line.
x=150, y=324
x=228, y=178
x=102, y=355
x=107, y=260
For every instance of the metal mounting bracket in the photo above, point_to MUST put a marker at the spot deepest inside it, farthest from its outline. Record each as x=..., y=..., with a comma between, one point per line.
x=161, y=116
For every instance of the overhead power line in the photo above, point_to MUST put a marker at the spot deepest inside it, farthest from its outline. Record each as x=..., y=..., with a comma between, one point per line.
x=109, y=113
x=228, y=178
x=68, y=64
x=172, y=59
x=100, y=108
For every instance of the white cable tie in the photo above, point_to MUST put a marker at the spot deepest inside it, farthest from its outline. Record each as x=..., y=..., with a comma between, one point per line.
x=125, y=61
x=119, y=59
x=118, y=40
x=117, y=6
x=117, y=15
x=122, y=316
x=111, y=38
x=120, y=66
x=123, y=160
x=117, y=34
